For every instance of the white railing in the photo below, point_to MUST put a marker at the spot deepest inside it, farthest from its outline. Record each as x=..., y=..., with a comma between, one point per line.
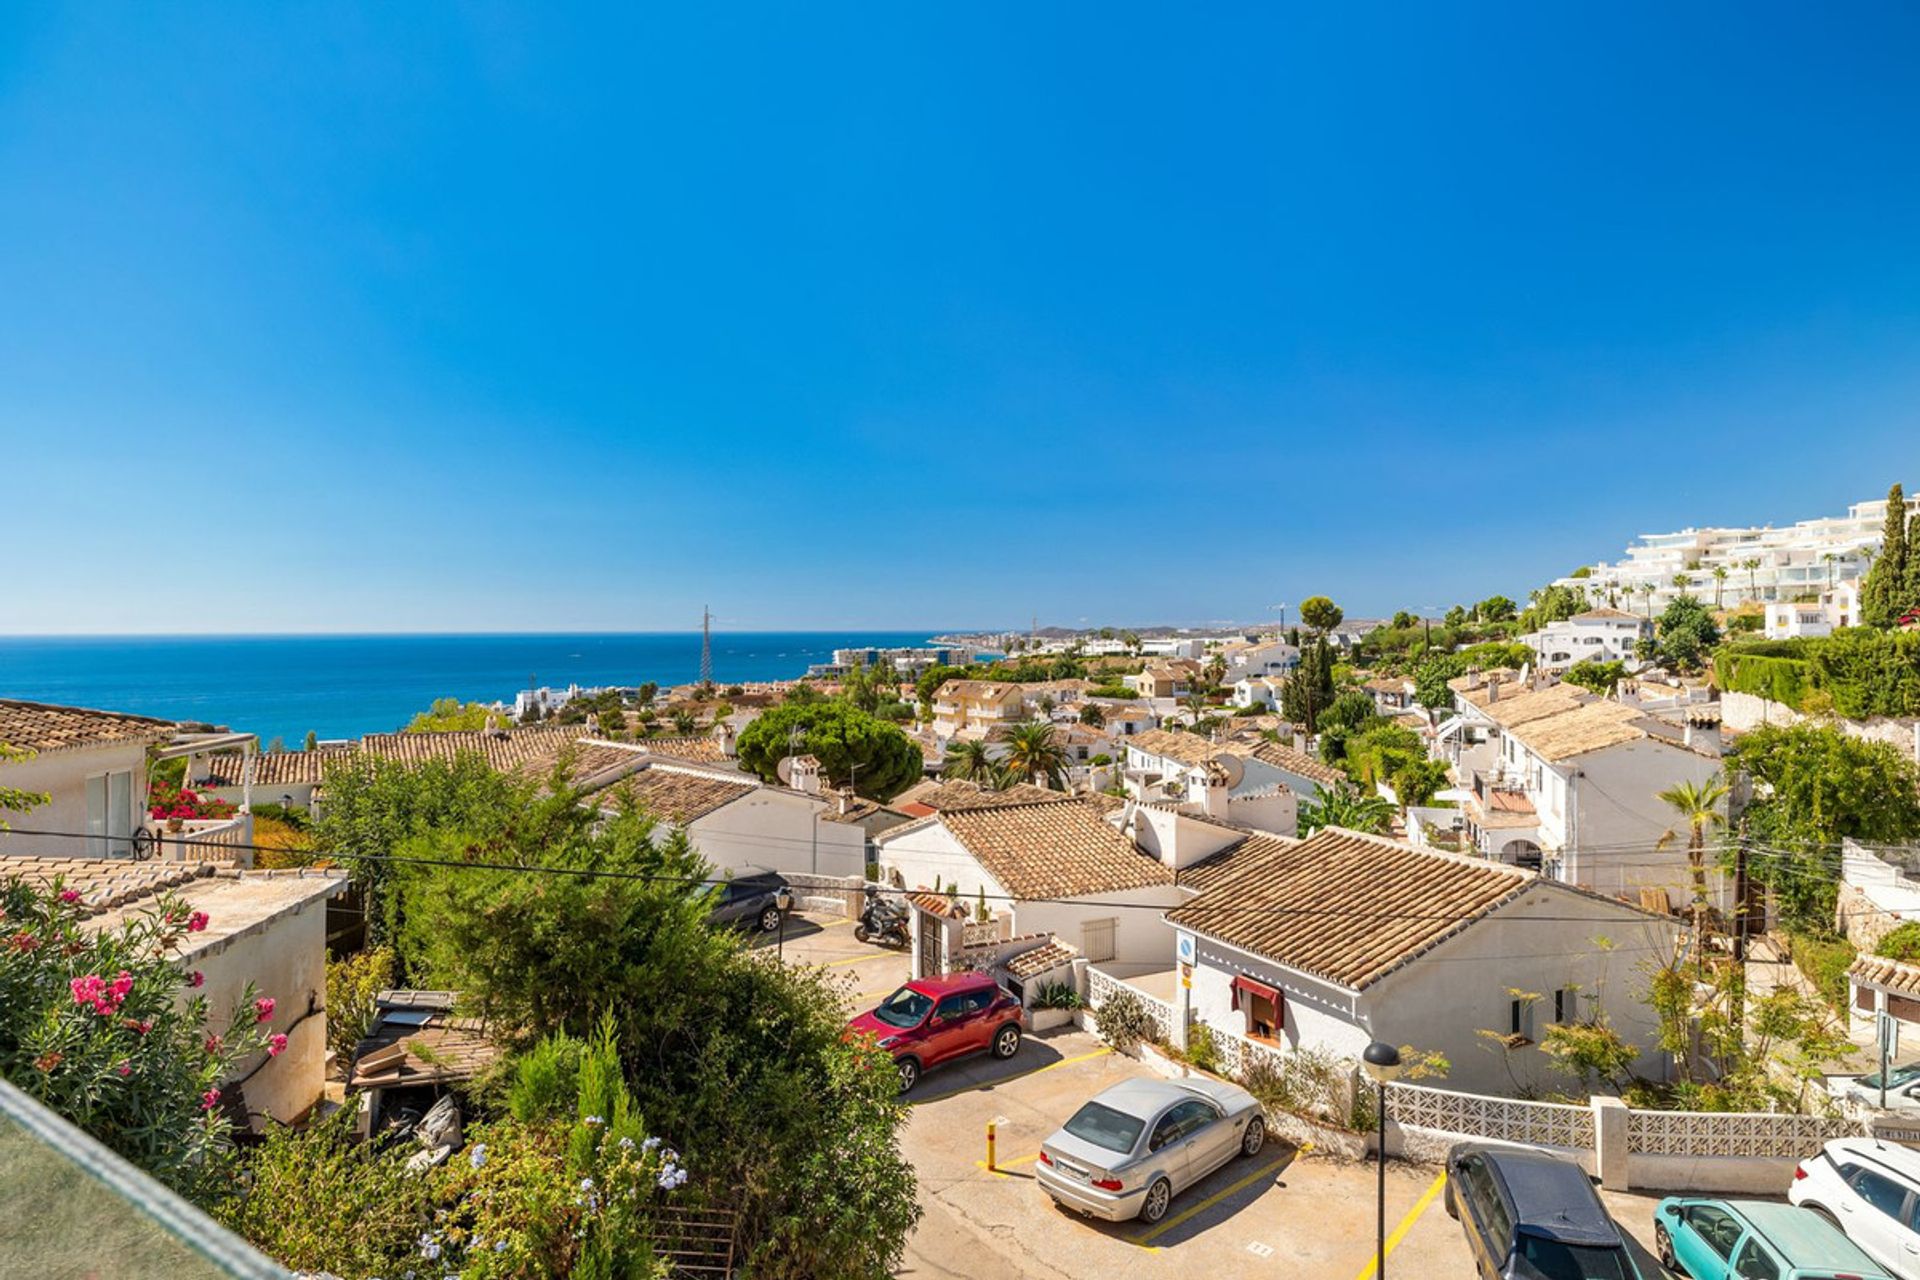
x=1473, y=1115
x=1731, y=1133
x=201, y=839
x=1101, y=986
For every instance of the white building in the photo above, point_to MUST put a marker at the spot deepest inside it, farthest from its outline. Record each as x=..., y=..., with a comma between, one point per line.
x=1598, y=635
x=1258, y=691
x=268, y=928
x=739, y=823
x=1246, y=658
x=1837, y=608
x=1336, y=941
x=1049, y=866
x=1194, y=647
x=91, y=766
x=1797, y=561
x=1256, y=785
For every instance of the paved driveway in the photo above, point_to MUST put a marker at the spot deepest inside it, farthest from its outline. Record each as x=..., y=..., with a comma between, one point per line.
x=865, y=971
x=1285, y=1213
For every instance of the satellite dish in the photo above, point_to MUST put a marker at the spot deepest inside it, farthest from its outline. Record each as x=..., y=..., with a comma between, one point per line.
x=784, y=771
x=1234, y=767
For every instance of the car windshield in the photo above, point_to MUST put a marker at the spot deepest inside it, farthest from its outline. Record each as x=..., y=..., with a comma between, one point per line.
x=904, y=1008
x=1550, y=1260
x=1104, y=1127
x=1896, y=1078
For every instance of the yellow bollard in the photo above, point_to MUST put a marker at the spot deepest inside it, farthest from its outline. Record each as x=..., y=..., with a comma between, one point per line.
x=990, y=1128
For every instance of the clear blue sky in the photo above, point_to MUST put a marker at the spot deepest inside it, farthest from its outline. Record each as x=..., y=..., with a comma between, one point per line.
x=482, y=317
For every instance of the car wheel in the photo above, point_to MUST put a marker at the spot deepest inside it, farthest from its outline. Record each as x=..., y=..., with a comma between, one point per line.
x=1664, y=1243
x=769, y=919
x=1159, y=1197
x=1254, y=1138
x=1006, y=1041
x=909, y=1073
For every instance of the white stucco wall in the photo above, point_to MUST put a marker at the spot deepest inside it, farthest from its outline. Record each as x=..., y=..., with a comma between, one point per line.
x=930, y=857
x=1617, y=819
x=778, y=830
x=63, y=775
x=1543, y=942
x=1141, y=934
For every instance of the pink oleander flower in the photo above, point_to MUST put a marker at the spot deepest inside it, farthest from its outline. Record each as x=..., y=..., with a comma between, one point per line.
x=210, y=1099
x=140, y=1027
x=214, y=1044
x=196, y=979
x=24, y=942
x=69, y=896
x=125, y=1069
x=196, y=922
x=87, y=990
x=263, y=1008
x=276, y=1046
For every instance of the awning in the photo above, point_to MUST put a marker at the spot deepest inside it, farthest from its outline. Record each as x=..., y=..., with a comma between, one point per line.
x=1254, y=987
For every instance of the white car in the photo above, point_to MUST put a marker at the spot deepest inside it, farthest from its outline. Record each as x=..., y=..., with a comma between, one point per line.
x=1903, y=1089
x=1127, y=1153
x=1871, y=1191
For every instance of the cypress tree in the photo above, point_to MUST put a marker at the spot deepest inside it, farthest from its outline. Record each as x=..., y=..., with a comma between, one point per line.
x=1910, y=595
x=1886, y=584
x=1309, y=690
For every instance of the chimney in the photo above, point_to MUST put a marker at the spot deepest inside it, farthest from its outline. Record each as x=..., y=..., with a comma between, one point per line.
x=593, y=724
x=805, y=775
x=1213, y=791
x=726, y=735
x=1493, y=688
x=845, y=796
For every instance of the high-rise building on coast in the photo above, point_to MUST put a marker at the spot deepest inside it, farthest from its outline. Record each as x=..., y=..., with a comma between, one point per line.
x=1758, y=562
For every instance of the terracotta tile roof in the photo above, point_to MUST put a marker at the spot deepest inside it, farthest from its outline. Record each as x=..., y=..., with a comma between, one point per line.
x=937, y=904
x=1607, y=615
x=1522, y=706
x=678, y=795
x=507, y=750
x=1347, y=907
x=1187, y=748
x=44, y=727
x=1478, y=679
x=1031, y=964
x=1285, y=757
x=1583, y=729
x=1053, y=850
x=274, y=768
x=1102, y=803
x=953, y=793
x=591, y=764
x=699, y=748
x=103, y=883
x=1889, y=975
x=1205, y=875
x=995, y=691
x=1389, y=684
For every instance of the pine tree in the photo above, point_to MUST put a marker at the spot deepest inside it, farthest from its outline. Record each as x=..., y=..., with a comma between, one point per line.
x=1309, y=690
x=1886, y=584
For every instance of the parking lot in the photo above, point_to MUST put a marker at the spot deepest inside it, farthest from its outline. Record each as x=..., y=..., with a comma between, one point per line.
x=1286, y=1213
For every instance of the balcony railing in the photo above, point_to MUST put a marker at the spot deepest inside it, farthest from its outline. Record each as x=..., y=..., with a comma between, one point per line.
x=209, y=839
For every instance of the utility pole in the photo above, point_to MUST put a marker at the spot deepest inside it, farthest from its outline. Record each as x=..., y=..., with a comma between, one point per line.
x=1738, y=794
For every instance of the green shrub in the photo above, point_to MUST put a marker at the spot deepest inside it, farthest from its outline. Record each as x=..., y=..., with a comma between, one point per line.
x=1123, y=1022
x=1056, y=995
x=1901, y=943
x=1824, y=962
x=352, y=983
x=1307, y=1082
x=1201, y=1050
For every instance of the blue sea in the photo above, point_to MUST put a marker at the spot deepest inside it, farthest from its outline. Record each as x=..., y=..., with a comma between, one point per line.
x=345, y=686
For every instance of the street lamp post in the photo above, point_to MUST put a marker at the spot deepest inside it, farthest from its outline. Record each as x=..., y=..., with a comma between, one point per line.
x=1382, y=1062
x=783, y=902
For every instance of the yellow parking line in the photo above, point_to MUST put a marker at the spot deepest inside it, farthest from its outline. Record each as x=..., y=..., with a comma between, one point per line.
x=841, y=964
x=1212, y=1200
x=1051, y=1066
x=1006, y=1164
x=1406, y=1224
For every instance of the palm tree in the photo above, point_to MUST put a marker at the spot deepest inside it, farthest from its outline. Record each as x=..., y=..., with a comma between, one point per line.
x=1698, y=804
x=969, y=761
x=1196, y=702
x=1831, y=558
x=1681, y=582
x=1720, y=576
x=1345, y=807
x=685, y=722
x=1033, y=751
x=1646, y=595
x=1751, y=565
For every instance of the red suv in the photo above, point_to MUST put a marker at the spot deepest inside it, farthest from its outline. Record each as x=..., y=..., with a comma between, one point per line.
x=934, y=1020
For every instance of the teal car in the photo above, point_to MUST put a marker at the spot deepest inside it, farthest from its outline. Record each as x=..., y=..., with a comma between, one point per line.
x=1755, y=1240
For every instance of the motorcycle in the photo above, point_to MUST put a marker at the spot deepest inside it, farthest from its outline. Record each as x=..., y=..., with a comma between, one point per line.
x=882, y=921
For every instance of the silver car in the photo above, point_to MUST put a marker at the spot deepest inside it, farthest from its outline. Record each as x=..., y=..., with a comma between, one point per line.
x=1128, y=1152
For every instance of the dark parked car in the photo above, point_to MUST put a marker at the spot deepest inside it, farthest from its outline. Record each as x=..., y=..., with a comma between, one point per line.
x=935, y=1020
x=1529, y=1216
x=749, y=900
